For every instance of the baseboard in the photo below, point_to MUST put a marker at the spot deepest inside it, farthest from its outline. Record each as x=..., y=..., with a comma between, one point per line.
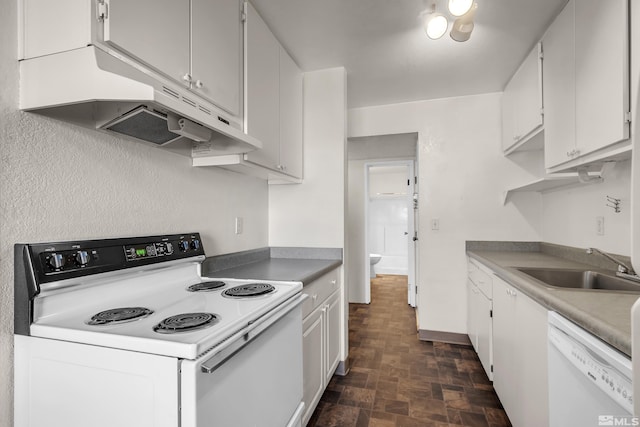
x=343, y=368
x=448, y=337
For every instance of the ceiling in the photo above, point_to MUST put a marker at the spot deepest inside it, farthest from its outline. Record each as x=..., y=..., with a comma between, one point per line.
x=387, y=55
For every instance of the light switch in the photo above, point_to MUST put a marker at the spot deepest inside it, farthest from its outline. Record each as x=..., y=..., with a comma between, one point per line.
x=435, y=224
x=239, y=225
x=600, y=225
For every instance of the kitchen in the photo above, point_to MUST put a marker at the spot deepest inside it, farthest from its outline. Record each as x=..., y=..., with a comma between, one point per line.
x=60, y=181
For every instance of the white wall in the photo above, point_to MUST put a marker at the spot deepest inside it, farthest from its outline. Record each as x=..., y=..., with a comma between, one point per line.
x=461, y=176
x=569, y=216
x=60, y=182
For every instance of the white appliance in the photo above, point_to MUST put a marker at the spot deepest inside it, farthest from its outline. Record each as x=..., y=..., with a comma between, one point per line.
x=126, y=332
x=589, y=381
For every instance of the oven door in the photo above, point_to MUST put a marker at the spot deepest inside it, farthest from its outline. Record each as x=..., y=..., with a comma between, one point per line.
x=252, y=379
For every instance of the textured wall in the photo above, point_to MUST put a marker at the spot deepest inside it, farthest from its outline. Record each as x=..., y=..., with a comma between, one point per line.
x=60, y=182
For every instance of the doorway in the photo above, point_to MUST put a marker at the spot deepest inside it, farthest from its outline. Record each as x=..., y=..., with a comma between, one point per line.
x=397, y=150
x=390, y=223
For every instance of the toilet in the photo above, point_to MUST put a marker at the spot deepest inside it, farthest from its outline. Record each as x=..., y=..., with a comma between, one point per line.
x=373, y=259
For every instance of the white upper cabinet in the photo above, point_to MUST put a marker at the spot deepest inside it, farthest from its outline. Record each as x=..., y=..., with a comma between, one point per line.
x=262, y=111
x=197, y=43
x=153, y=32
x=290, y=116
x=586, y=83
x=273, y=111
x=522, y=114
x=216, y=52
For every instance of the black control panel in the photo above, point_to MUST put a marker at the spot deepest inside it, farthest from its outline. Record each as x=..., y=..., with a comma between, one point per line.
x=63, y=260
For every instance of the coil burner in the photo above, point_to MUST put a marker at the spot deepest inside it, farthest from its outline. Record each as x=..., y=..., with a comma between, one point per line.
x=119, y=315
x=249, y=290
x=186, y=322
x=206, y=286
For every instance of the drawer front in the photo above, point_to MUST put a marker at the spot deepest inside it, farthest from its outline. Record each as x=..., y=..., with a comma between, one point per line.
x=481, y=278
x=318, y=291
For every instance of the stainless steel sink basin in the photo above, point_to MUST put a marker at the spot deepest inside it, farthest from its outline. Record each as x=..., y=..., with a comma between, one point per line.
x=580, y=279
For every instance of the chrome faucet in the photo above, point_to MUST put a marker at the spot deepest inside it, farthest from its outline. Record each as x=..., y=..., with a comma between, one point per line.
x=623, y=269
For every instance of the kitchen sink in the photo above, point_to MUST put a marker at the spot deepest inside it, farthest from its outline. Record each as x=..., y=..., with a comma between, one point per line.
x=580, y=279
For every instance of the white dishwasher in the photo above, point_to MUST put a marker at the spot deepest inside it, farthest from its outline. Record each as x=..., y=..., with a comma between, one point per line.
x=589, y=381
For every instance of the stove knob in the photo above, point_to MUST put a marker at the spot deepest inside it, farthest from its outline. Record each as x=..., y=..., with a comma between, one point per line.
x=183, y=245
x=56, y=261
x=82, y=258
x=195, y=244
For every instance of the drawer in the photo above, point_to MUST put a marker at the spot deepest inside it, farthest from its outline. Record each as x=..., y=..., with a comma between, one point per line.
x=318, y=291
x=481, y=278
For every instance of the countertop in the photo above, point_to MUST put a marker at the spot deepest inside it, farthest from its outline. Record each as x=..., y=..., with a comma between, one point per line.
x=287, y=269
x=605, y=314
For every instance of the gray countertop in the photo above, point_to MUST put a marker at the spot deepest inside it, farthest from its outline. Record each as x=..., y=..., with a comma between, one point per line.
x=288, y=269
x=275, y=263
x=605, y=314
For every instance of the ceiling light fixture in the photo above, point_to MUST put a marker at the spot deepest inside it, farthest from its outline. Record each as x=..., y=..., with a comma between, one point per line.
x=460, y=7
x=435, y=24
x=463, y=26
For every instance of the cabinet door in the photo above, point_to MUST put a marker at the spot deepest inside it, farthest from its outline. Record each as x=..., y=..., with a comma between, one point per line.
x=505, y=349
x=262, y=70
x=508, y=117
x=216, y=51
x=483, y=332
x=155, y=32
x=602, y=80
x=529, y=95
x=332, y=313
x=290, y=116
x=472, y=313
x=313, y=372
x=559, y=88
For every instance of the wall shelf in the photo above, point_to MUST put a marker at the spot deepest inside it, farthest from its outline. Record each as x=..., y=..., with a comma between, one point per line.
x=560, y=180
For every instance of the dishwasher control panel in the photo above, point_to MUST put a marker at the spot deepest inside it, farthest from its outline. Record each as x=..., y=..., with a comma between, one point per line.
x=595, y=365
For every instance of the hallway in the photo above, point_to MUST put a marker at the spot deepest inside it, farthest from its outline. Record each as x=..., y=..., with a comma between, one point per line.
x=397, y=380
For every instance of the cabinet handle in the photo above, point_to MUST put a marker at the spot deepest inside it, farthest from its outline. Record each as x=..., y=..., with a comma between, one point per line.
x=333, y=282
x=314, y=297
x=199, y=84
x=187, y=78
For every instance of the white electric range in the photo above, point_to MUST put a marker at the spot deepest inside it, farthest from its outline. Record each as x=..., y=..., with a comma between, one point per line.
x=127, y=332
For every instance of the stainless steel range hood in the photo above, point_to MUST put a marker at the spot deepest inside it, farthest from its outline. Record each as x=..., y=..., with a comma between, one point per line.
x=94, y=89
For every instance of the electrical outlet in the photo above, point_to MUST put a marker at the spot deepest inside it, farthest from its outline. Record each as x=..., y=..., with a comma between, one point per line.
x=600, y=225
x=239, y=225
x=435, y=224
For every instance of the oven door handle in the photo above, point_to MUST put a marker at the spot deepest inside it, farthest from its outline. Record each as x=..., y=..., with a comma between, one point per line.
x=240, y=339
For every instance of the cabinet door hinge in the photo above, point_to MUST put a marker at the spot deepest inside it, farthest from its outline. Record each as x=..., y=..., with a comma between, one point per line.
x=491, y=368
x=627, y=117
x=542, y=111
x=490, y=313
x=102, y=11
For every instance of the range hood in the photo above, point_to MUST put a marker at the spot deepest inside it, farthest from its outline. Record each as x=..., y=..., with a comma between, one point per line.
x=94, y=89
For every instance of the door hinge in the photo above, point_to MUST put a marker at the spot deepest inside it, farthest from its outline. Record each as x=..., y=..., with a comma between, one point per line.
x=408, y=182
x=243, y=12
x=490, y=313
x=627, y=117
x=415, y=179
x=102, y=11
x=491, y=368
x=542, y=111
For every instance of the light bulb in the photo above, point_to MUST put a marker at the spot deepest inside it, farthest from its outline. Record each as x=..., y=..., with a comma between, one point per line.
x=460, y=7
x=435, y=26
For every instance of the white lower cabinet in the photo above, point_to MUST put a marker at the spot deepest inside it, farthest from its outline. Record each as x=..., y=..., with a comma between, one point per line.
x=520, y=355
x=320, y=338
x=479, y=312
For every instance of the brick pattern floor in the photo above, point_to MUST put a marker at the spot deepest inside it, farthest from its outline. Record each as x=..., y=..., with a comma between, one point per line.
x=398, y=380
